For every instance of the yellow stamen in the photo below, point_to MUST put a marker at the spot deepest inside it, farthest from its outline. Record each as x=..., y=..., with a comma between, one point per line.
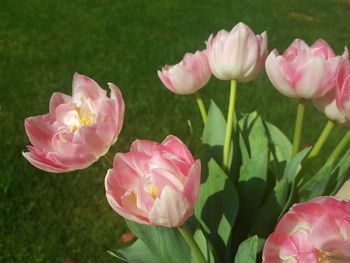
x=153, y=192
x=74, y=128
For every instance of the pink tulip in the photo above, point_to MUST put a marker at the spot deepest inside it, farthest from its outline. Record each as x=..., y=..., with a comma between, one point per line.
x=77, y=130
x=327, y=105
x=188, y=76
x=155, y=184
x=237, y=55
x=303, y=71
x=317, y=231
x=343, y=88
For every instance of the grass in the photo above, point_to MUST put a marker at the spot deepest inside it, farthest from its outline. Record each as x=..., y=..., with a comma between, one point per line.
x=54, y=217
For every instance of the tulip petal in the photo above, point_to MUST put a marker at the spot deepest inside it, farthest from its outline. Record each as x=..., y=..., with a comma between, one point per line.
x=171, y=209
x=177, y=147
x=87, y=87
x=310, y=79
x=40, y=130
x=191, y=189
x=57, y=99
x=277, y=77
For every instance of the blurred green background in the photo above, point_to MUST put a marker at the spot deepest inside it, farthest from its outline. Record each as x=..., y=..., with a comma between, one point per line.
x=61, y=217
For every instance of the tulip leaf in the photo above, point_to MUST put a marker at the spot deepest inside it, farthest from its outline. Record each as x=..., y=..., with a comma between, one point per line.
x=164, y=242
x=294, y=165
x=247, y=250
x=278, y=200
x=343, y=173
x=214, y=133
x=280, y=149
x=204, y=245
x=217, y=207
x=269, y=212
x=138, y=252
x=316, y=186
x=253, y=173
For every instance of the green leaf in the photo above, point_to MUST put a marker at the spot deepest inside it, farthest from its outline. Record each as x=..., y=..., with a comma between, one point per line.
x=280, y=148
x=247, y=250
x=217, y=207
x=343, y=174
x=253, y=173
x=214, y=132
x=138, y=252
x=204, y=245
x=166, y=244
x=316, y=186
x=268, y=214
x=293, y=167
x=278, y=199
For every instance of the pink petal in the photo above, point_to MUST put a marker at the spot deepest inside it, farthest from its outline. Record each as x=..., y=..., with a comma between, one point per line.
x=321, y=48
x=277, y=76
x=57, y=99
x=172, y=209
x=137, y=161
x=40, y=130
x=191, y=189
x=116, y=95
x=325, y=234
x=83, y=85
x=123, y=212
x=146, y=147
x=125, y=176
x=39, y=162
x=176, y=146
x=311, y=79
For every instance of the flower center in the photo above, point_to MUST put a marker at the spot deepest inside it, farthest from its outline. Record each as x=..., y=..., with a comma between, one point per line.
x=153, y=192
x=325, y=256
x=83, y=118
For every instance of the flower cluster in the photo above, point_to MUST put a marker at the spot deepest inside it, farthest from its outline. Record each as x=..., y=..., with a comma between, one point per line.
x=158, y=184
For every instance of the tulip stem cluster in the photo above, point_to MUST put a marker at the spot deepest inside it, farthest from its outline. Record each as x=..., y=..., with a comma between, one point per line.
x=192, y=243
x=298, y=127
x=322, y=139
x=339, y=149
x=201, y=107
x=229, y=124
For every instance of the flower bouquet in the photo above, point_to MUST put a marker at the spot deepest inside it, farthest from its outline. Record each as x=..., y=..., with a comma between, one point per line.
x=251, y=196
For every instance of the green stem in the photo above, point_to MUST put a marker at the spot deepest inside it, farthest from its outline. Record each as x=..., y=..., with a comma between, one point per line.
x=201, y=107
x=229, y=124
x=322, y=139
x=298, y=127
x=192, y=243
x=109, y=157
x=340, y=147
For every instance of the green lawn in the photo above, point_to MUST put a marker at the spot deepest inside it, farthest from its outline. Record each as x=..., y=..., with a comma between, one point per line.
x=52, y=217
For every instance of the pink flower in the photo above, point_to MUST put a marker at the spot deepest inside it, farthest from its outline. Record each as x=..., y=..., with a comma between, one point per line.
x=77, y=130
x=343, y=88
x=311, y=232
x=327, y=105
x=238, y=55
x=303, y=71
x=188, y=76
x=155, y=184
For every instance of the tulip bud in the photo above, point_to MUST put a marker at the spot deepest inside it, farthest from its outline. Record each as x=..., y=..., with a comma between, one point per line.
x=311, y=232
x=188, y=76
x=343, y=88
x=327, y=105
x=78, y=129
x=237, y=55
x=155, y=184
x=303, y=71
